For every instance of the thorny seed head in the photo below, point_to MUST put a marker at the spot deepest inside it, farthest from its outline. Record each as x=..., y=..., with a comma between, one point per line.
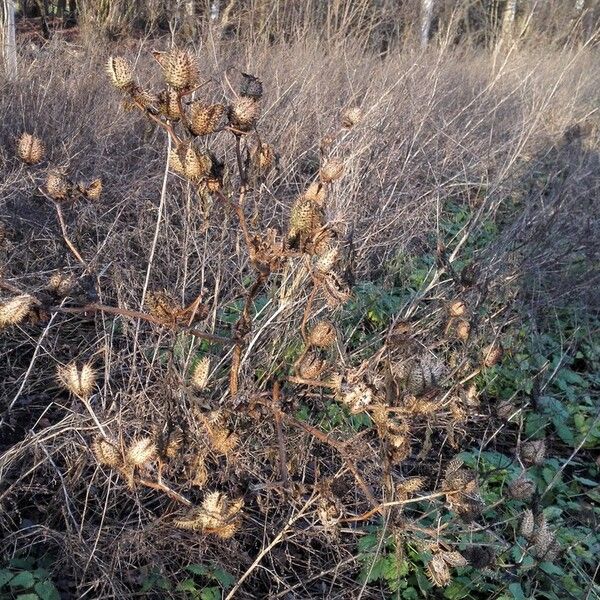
x=263, y=157
x=57, y=186
x=316, y=192
x=243, y=114
x=457, y=308
x=358, y=398
x=533, y=452
x=168, y=104
x=141, y=451
x=30, y=149
x=180, y=69
x=332, y=170
x=200, y=373
x=94, y=190
x=60, y=284
x=327, y=260
x=197, y=469
x=527, y=523
x=311, y=366
x=217, y=515
x=351, y=117
x=13, y=311
x=205, y=118
x=107, y=452
x=492, y=355
x=79, y=381
x=463, y=330
x=322, y=334
x=454, y=559
x=222, y=440
x=410, y=485
x=438, y=571
x=120, y=72
x=521, y=488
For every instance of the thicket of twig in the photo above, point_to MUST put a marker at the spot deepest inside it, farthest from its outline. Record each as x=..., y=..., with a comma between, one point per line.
x=180, y=262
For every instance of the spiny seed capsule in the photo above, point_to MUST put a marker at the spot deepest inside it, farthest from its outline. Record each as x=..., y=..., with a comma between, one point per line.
x=332, y=170
x=143, y=97
x=527, y=523
x=492, y=355
x=180, y=69
x=13, y=311
x=120, y=72
x=205, y=118
x=79, y=381
x=61, y=284
x=521, y=488
x=457, y=308
x=168, y=105
x=200, y=373
x=106, y=452
x=322, y=334
x=57, y=186
x=316, y=192
x=463, y=330
x=351, y=117
x=311, y=366
x=534, y=452
x=263, y=156
x=243, y=114
x=94, y=190
x=141, y=451
x=327, y=260
x=30, y=149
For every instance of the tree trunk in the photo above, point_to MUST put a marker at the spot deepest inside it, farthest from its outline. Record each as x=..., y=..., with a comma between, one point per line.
x=426, y=18
x=8, y=37
x=508, y=22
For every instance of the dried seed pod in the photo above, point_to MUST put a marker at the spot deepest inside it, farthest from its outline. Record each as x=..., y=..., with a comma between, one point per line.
x=332, y=170
x=180, y=69
x=533, y=452
x=311, y=366
x=305, y=219
x=505, y=409
x=316, y=192
x=13, y=311
x=30, y=149
x=175, y=163
x=322, y=334
x=196, y=165
x=223, y=441
x=492, y=355
x=198, y=471
x=425, y=372
x=60, y=284
x=161, y=305
x=205, y=118
x=358, y=398
x=543, y=538
x=454, y=559
x=57, y=186
x=327, y=260
x=527, y=523
x=263, y=157
x=94, y=190
x=79, y=381
x=169, y=444
x=107, y=452
x=218, y=515
x=410, y=486
x=463, y=330
x=200, y=373
x=521, y=488
x=438, y=572
x=457, y=308
x=351, y=117
x=120, y=72
x=243, y=114
x=141, y=451
x=251, y=87
x=169, y=105
x=143, y=98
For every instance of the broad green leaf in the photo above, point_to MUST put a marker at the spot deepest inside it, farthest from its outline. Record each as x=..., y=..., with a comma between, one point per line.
x=223, y=577
x=517, y=591
x=198, y=569
x=24, y=579
x=5, y=576
x=551, y=568
x=46, y=590
x=210, y=593
x=187, y=585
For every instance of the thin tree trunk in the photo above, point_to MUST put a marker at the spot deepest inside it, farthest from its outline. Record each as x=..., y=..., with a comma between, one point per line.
x=8, y=39
x=426, y=18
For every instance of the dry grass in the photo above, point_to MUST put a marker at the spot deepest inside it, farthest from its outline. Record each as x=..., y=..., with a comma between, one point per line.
x=480, y=130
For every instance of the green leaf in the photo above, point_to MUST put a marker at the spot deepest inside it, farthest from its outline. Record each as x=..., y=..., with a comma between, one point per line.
x=46, y=590
x=223, y=577
x=22, y=563
x=5, y=576
x=24, y=579
x=210, y=593
x=196, y=569
x=187, y=585
x=551, y=568
x=517, y=591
